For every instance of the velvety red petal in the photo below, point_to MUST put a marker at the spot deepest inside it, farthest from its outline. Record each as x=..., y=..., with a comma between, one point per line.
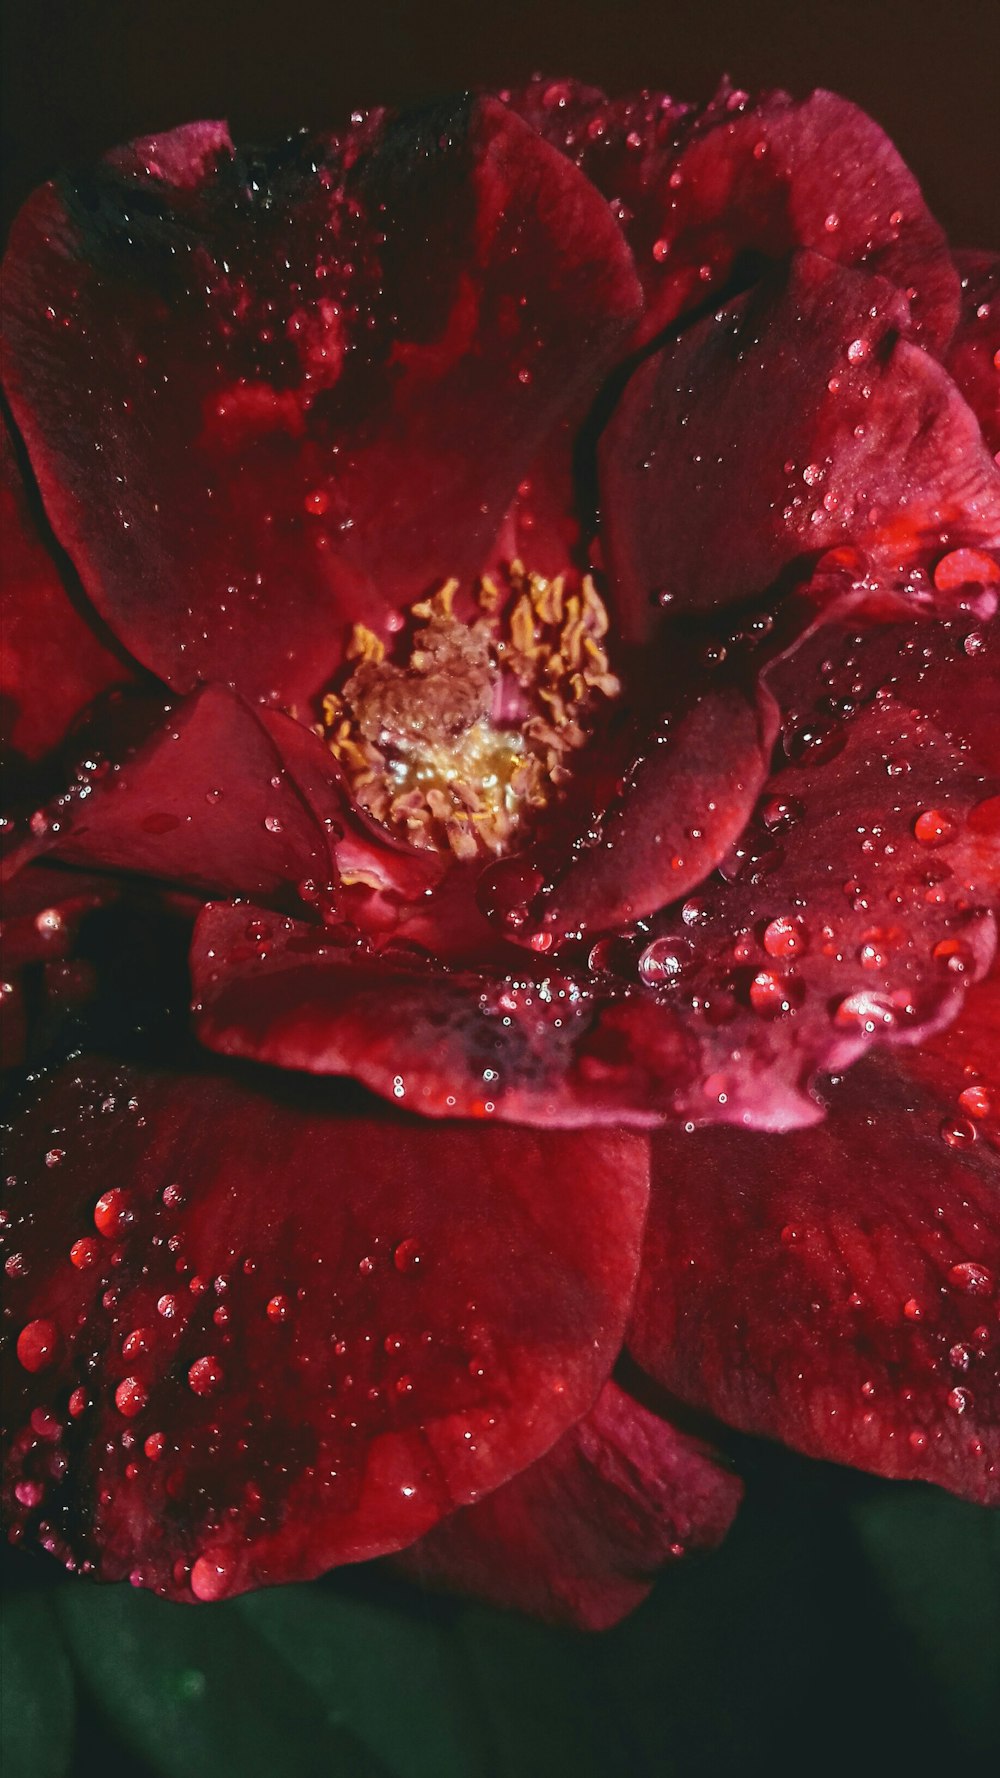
x=313, y=378
x=974, y=358
x=793, y=421
x=837, y=1288
x=53, y=661
x=579, y=1537
x=252, y=1336
x=855, y=910
x=205, y=801
x=43, y=911
x=446, y=1042
x=701, y=193
x=682, y=798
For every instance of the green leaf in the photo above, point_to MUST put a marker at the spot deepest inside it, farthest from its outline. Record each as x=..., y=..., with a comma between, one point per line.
x=36, y=1690
x=198, y=1694
x=382, y=1663
x=938, y=1564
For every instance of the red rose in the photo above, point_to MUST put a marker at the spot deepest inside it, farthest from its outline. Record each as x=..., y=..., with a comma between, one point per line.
x=564, y=531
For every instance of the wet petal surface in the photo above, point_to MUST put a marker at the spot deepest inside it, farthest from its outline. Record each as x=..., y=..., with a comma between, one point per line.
x=285, y=360
x=837, y=1288
x=579, y=1537
x=252, y=1336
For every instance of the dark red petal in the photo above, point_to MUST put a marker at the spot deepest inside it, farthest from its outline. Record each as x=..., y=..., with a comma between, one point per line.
x=837, y=1288
x=43, y=911
x=855, y=910
x=53, y=661
x=206, y=801
x=683, y=799
x=974, y=358
x=314, y=378
x=579, y=1537
x=444, y=1042
x=257, y=1336
x=698, y=191
x=793, y=421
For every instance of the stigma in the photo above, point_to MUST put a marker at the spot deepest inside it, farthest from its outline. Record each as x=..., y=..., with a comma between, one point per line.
x=461, y=742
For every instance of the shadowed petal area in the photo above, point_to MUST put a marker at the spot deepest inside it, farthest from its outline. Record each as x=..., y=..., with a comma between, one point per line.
x=494, y=1041
x=794, y=420
x=702, y=193
x=205, y=801
x=254, y=1336
x=837, y=1288
x=974, y=358
x=53, y=662
x=579, y=1537
x=313, y=377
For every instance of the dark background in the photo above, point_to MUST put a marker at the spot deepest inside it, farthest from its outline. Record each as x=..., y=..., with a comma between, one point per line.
x=80, y=75
x=847, y=1626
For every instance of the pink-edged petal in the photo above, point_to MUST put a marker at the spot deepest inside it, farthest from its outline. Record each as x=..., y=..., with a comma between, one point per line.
x=700, y=192
x=205, y=801
x=974, y=357
x=53, y=660
x=856, y=909
x=795, y=420
x=579, y=1537
x=837, y=1288
x=252, y=1336
x=286, y=361
x=495, y=1042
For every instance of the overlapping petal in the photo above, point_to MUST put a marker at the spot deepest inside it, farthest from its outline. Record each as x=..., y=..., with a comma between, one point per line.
x=277, y=366
x=796, y=419
x=252, y=1335
x=579, y=1537
x=974, y=355
x=837, y=1287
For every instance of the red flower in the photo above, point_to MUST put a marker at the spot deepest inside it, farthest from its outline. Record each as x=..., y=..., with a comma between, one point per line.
x=564, y=531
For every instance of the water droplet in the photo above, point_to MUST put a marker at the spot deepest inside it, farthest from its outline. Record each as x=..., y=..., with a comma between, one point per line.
x=662, y=961
x=973, y=1279
x=278, y=1309
x=975, y=1101
x=785, y=936
x=934, y=827
x=85, y=1252
x=212, y=1575
x=131, y=1397
x=912, y=1309
x=407, y=1257
x=113, y=1214
x=38, y=1345
x=958, y=1132
x=960, y=1399
x=272, y=823
x=205, y=1374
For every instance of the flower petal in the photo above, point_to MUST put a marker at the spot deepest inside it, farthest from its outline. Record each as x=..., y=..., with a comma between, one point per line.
x=314, y=378
x=974, y=358
x=53, y=662
x=793, y=421
x=205, y=801
x=700, y=191
x=837, y=1287
x=579, y=1537
x=856, y=909
x=257, y=1335
x=443, y=1042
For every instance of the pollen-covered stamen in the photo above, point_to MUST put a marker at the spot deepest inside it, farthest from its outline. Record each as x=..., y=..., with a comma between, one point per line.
x=458, y=744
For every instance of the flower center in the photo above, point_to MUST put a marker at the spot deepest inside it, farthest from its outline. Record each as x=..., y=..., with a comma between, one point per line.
x=459, y=744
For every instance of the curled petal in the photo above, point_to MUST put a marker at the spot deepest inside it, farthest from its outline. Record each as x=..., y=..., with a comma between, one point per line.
x=837, y=1288
x=280, y=358
x=795, y=420
x=288, y=1335
x=579, y=1537
x=706, y=195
